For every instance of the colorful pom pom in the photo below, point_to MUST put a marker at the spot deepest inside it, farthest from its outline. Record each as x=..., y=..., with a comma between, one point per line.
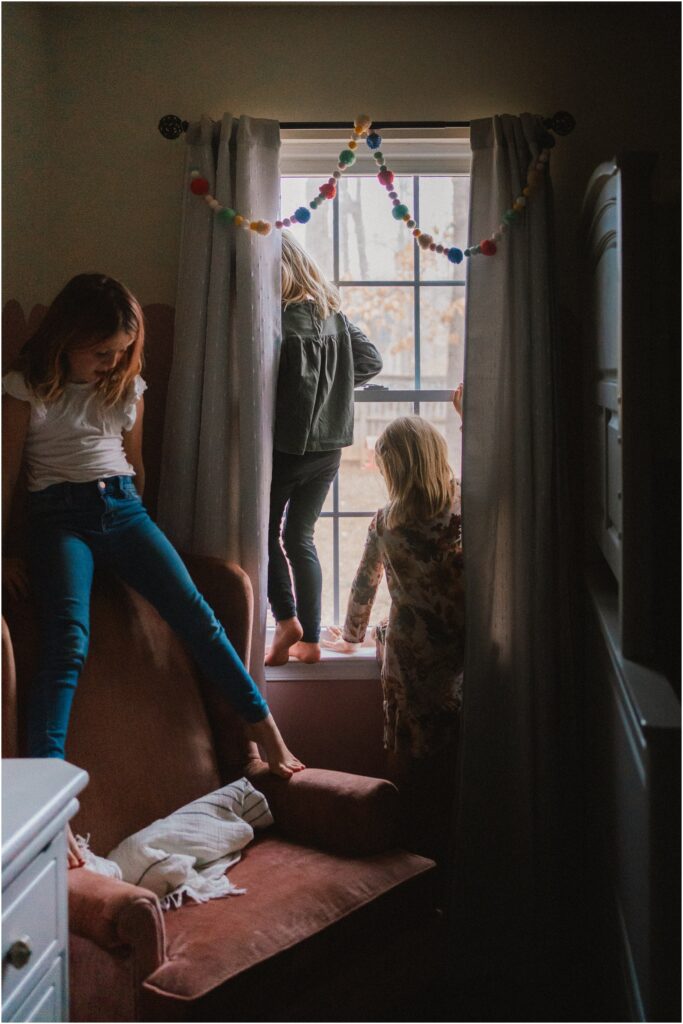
x=400, y=212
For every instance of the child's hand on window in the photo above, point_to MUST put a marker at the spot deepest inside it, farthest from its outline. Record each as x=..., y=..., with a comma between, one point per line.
x=457, y=399
x=333, y=640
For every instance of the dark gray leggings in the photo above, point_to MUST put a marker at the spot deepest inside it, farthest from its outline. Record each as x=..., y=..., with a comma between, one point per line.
x=300, y=485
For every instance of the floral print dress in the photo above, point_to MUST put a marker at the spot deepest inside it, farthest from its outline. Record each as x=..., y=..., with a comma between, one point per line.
x=421, y=646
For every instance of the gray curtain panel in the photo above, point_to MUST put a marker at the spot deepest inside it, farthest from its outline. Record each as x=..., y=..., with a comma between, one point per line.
x=518, y=699
x=217, y=450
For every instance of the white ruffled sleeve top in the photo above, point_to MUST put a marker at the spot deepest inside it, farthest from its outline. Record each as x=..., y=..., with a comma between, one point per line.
x=76, y=438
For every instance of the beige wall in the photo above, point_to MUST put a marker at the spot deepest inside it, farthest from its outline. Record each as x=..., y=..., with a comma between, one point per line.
x=90, y=184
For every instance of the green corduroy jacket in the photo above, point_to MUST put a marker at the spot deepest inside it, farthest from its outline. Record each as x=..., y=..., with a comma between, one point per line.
x=321, y=361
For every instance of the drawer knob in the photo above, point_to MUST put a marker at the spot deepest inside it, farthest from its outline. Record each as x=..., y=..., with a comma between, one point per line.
x=19, y=952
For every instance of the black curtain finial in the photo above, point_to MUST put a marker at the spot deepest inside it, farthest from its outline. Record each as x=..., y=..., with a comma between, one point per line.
x=171, y=126
x=562, y=123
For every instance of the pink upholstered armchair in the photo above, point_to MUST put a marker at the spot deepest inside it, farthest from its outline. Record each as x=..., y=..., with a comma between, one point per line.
x=337, y=923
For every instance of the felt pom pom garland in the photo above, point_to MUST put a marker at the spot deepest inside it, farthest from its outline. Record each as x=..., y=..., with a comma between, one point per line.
x=362, y=129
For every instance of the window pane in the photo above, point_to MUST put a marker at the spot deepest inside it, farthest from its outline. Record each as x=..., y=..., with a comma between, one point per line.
x=352, y=534
x=442, y=332
x=361, y=487
x=372, y=245
x=323, y=542
x=316, y=235
x=444, y=206
x=386, y=316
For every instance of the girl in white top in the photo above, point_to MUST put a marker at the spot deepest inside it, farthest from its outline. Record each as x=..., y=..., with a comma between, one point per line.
x=72, y=412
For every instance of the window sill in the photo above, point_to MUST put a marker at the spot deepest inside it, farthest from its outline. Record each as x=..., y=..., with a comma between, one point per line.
x=362, y=664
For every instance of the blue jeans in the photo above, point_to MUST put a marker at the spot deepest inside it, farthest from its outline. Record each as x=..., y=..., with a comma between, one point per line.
x=103, y=522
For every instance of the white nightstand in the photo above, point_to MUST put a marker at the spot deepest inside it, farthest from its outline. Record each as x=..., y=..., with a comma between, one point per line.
x=38, y=799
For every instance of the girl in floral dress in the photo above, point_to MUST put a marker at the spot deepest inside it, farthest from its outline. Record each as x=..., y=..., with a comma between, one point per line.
x=416, y=540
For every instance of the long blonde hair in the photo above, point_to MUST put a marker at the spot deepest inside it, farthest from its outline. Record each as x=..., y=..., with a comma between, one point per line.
x=303, y=279
x=89, y=309
x=412, y=456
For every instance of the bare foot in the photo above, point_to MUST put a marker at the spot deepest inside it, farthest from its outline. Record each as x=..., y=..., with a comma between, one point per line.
x=309, y=653
x=285, y=764
x=74, y=857
x=287, y=633
x=280, y=760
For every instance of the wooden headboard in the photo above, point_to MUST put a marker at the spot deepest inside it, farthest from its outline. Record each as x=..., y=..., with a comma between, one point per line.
x=619, y=388
x=632, y=713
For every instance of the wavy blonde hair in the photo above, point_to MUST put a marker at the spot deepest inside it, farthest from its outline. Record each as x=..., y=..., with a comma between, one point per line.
x=90, y=309
x=412, y=456
x=303, y=279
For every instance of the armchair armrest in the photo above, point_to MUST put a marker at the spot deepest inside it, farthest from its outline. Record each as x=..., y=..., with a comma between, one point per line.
x=350, y=814
x=112, y=913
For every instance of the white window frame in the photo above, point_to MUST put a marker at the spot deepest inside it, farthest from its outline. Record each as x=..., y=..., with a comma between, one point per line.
x=312, y=152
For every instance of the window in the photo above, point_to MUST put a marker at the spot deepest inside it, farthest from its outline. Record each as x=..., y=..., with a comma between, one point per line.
x=411, y=304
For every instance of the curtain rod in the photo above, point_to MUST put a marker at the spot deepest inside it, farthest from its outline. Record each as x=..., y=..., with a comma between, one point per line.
x=384, y=124
x=171, y=126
